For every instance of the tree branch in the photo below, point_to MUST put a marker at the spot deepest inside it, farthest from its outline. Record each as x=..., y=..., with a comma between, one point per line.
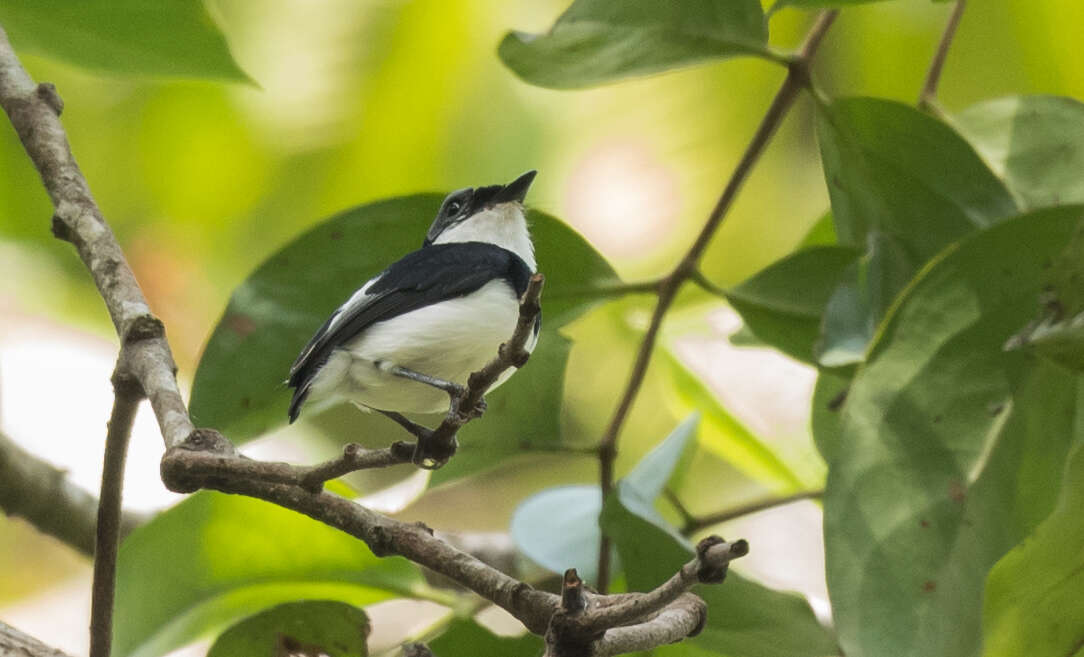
x=127, y=394
x=797, y=79
x=34, y=111
x=41, y=493
x=586, y=623
x=14, y=643
x=927, y=99
x=694, y=523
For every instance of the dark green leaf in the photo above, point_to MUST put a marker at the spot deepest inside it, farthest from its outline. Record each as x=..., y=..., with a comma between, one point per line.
x=861, y=299
x=829, y=396
x=783, y=303
x=214, y=559
x=951, y=448
x=744, y=618
x=914, y=185
x=1035, y=143
x=276, y=310
x=1058, y=333
x=598, y=41
x=1033, y=604
x=175, y=38
x=558, y=529
x=324, y=627
x=821, y=4
x=465, y=638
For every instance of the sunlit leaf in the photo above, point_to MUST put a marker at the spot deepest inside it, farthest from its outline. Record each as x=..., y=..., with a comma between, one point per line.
x=175, y=38
x=783, y=303
x=275, y=311
x=324, y=627
x=821, y=233
x=908, y=182
x=1033, y=604
x=598, y=41
x=744, y=618
x=558, y=529
x=214, y=559
x=951, y=448
x=465, y=638
x=1035, y=143
x=723, y=434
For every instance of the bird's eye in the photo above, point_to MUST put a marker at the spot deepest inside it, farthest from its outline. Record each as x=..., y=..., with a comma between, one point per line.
x=454, y=207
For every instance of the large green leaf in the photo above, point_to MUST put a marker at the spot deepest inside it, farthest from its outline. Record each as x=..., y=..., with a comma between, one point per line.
x=744, y=617
x=1035, y=143
x=465, y=638
x=1033, y=600
x=783, y=304
x=908, y=182
x=214, y=559
x=325, y=627
x=239, y=386
x=175, y=38
x=598, y=41
x=952, y=448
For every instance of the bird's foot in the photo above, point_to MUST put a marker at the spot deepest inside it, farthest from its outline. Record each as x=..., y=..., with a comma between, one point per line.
x=453, y=389
x=431, y=454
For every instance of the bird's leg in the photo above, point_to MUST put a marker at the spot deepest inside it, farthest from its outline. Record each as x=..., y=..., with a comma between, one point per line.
x=419, y=432
x=423, y=456
x=453, y=389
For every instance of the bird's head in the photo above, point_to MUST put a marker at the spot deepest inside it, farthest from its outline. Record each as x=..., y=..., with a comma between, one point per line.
x=493, y=214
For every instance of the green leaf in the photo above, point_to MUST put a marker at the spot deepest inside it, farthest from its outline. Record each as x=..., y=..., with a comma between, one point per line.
x=723, y=434
x=175, y=38
x=276, y=310
x=558, y=529
x=1033, y=604
x=465, y=638
x=903, y=186
x=862, y=297
x=1058, y=333
x=783, y=303
x=1034, y=143
x=821, y=4
x=950, y=449
x=324, y=627
x=214, y=559
x=821, y=233
x=599, y=41
x=744, y=617
x=829, y=396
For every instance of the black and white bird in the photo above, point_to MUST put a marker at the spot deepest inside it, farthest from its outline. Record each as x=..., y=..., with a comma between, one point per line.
x=437, y=314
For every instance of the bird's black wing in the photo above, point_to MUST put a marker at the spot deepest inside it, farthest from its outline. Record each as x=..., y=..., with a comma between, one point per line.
x=421, y=278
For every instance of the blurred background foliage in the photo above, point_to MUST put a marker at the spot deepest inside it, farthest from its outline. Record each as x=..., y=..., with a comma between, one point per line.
x=353, y=101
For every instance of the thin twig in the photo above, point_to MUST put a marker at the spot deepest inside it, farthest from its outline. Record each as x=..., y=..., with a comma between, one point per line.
x=797, y=79
x=693, y=524
x=927, y=99
x=126, y=397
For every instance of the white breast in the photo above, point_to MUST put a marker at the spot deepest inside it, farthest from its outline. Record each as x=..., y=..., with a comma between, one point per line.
x=448, y=340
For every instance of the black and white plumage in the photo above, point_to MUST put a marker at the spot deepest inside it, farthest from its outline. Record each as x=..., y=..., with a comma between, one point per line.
x=440, y=311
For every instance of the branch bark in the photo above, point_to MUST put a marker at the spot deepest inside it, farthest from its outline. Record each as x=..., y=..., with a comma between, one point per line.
x=14, y=643
x=798, y=78
x=927, y=99
x=42, y=494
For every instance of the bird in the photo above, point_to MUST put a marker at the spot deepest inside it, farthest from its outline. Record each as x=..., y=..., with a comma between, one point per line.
x=416, y=331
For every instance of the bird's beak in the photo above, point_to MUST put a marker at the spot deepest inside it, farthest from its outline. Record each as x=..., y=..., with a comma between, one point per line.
x=515, y=190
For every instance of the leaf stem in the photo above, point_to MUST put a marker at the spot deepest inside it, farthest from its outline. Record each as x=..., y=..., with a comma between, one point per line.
x=797, y=79
x=927, y=99
x=693, y=523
